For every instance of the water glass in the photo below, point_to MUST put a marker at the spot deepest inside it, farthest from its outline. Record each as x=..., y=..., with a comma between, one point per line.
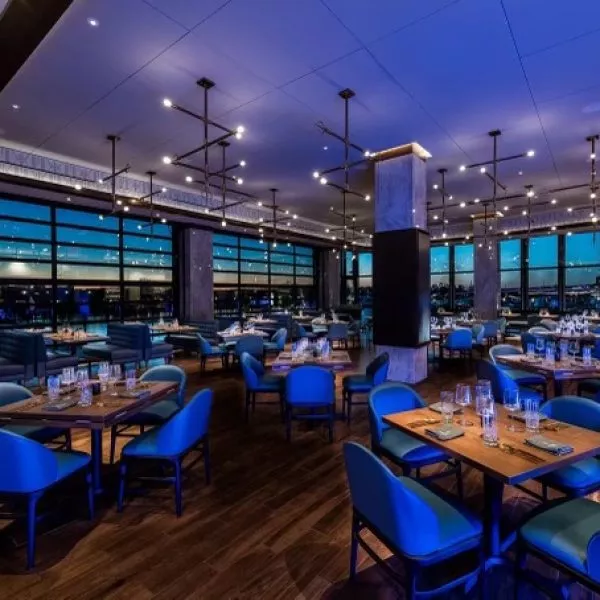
x=490, y=426
x=587, y=355
x=447, y=406
x=113, y=377
x=53, y=388
x=483, y=395
x=85, y=394
x=83, y=377
x=532, y=415
x=564, y=349
x=530, y=350
x=512, y=404
x=68, y=378
x=539, y=345
x=463, y=399
x=130, y=379
x=103, y=371
x=550, y=354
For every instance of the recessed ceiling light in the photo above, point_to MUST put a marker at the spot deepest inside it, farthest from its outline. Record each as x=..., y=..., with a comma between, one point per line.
x=506, y=208
x=242, y=163
x=569, y=209
x=367, y=197
x=15, y=107
x=93, y=22
x=463, y=204
x=462, y=168
x=325, y=148
x=477, y=201
x=553, y=201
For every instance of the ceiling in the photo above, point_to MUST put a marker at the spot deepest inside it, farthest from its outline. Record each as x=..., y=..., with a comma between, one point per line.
x=439, y=72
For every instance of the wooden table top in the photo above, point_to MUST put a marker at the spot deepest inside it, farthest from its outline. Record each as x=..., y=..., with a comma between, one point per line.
x=563, y=335
x=337, y=359
x=236, y=336
x=262, y=321
x=506, y=467
x=166, y=328
x=106, y=410
x=562, y=370
x=71, y=340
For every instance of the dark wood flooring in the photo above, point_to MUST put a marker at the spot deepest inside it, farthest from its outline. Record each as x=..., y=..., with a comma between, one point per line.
x=275, y=522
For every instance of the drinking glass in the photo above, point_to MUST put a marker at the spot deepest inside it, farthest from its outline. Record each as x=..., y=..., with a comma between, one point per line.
x=512, y=404
x=539, y=345
x=530, y=350
x=463, y=399
x=573, y=348
x=447, y=406
x=113, y=377
x=587, y=355
x=130, y=379
x=550, y=353
x=564, y=349
x=490, y=426
x=85, y=394
x=53, y=388
x=483, y=395
x=103, y=371
x=82, y=376
x=68, y=378
x=532, y=415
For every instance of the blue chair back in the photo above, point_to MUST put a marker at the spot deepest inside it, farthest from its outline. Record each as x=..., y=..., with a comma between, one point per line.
x=337, y=331
x=279, y=338
x=581, y=412
x=168, y=373
x=301, y=331
x=490, y=329
x=11, y=392
x=377, y=369
x=27, y=466
x=309, y=385
x=186, y=428
x=477, y=333
x=538, y=329
x=459, y=339
x=19, y=347
x=503, y=350
x=205, y=346
x=499, y=380
x=252, y=370
x=128, y=335
x=502, y=322
x=526, y=339
x=389, y=503
x=386, y=399
x=252, y=344
x=549, y=324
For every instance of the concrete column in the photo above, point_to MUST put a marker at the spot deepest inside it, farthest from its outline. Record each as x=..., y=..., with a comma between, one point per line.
x=196, y=276
x=487, y=277
x=330, y=280
x=401, y=286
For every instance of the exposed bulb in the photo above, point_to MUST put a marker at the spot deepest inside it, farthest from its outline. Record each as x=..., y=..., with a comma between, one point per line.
x=189, y=179
x=435, y=217
x=294, y=216
x=462, y=204
x=259, y=203
x=462, y=168
x=553, y=201
x=167, y=160
x=553, y=228
x=367, y=153
x=569, y=233
x=506, y=208
x=482, y=170
x=274, y=244
x=163, y=190
x=126, y=208
x=119, y=202
x=569, y=209
x=242, y=163
x=530, y=153
x=592, y=195
x=316, y=174
x=77, y=186
x=524, y=213
x=530, y=193
x=240, y=129
x=327, y=230
x=593, y=155
x=477, y=200
x=323, y=181
x=239, y=181
x=444, y=235
x=101, y=217
x=435, y=186
x=223, y=223
x=100, y=180
x=167, y=103
x=367, y=197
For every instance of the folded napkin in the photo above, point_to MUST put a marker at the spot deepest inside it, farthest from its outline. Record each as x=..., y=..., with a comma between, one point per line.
x=520, y=416
x=445, y=432
x=437, y=407
x=60, y=405
x=547, y=445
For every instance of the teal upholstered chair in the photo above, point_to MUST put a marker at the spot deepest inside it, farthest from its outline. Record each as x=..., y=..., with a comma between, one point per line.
x=158, y=413
x=170, y=443
x=11, y=392
x=207, y=350
x=277, y=342
x=582, y=477
x=398, y=447
x=252, y=345
x=459, y=343
x=375, y=374
x=29, y=470
x=303, y=333
x=257, y=381
x=420, y=527
x=567, y=537
x=521, y=377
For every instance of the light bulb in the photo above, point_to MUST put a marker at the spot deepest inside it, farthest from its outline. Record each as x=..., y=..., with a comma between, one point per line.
x=101, y=217
x=367, y=197
x=553, y=201
x=223, y=223
x=370, y=236
x=553, y=228
x=444, y=235
x=367, y=153
x=100, y=180
x=93, y=22
x=435, y=217
x=530, y=153
x=242, y=163
x=505, y=232
x=294, y=216
x=477, y=201
x=287, y=212
x=139, y=227
x=524, y=213
x=530, y=193
x=206, y=210
x=592, y=195
x=462, y=204
x=259, y=203
x=167, y=103
x=450, y=197
x=288, y=224
x=289, y=245
x=239, y=181
x=274, y=244
x=480, y=245
x=163, y=190
x=126, y=208
x=260, y=219
x=238, y=135
x=327, y=230
x=189, y=179
x=345, y=246
x=261, y=241
x=482, y=170
x=569, y=233
x=569, y=209
x=119, y=202
x=260, y=230
x=77, y=186
x=333, y=238
x=316, y=174
x=595, y=220
x=462, y=168
x=167, y=160
x=323, y=181
x=435, y=186
x=240, y=129
x=506, y=208
x=593, y=155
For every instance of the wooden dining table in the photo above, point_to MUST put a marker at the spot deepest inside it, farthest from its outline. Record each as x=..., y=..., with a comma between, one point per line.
x=73, y=341
x=336, y=360
x=105, y=411
x=510, y=463
x=168, y=328
x=557, y=372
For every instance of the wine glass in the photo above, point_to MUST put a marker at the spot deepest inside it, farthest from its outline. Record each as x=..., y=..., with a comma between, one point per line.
x=113, y=377
x=512, y=404
x=463, y=399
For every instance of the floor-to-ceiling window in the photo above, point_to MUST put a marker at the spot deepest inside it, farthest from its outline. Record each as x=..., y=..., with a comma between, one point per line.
x=365, y=278
x=542, y=273
x=440, y=277
x=60, y=265
x=251, y=275
x=582, y=271
x=463, y=277
x=509, y=264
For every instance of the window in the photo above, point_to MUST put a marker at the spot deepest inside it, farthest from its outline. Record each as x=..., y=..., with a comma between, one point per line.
x=510, y=274
x=543, y=273
x=463, y=277
x=440, y=277
x=582, y=273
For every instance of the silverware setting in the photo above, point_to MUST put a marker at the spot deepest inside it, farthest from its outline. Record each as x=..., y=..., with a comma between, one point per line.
x=422, y=422
x=509, y=449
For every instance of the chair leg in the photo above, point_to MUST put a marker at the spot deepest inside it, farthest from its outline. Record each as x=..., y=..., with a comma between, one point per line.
x=206, y=451
x=122, y=484
x=178, y=503
x=349, y=402
x=31, y=521
x=247, y=405
x=90, y=493
x=113, y=443
x=410, y=586
x=331, y=417
x=354, y=546
x=253, y=402
x=406, y=470
x=520, y=560
x=544, y=492
x=68, y=441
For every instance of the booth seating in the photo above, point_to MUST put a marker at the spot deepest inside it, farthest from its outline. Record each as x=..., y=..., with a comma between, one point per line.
x=48, y=362
x=188, y=342
x=17, y=357
x=125, y=345
x=153, y=350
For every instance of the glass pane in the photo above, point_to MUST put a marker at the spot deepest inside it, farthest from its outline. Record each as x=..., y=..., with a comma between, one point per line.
x=255, y=300
x=304, y=250
x=25, y=250
x=440, y=291
x=67, y=216
x=306, y=297
x=87, y=272
x=226, y=301
x=146, y=243
x=87, y=255
x=305, y=271
x=281, y=279
x=154, y=259
x=24, y=210
x=349, y=263
x=305, y=281
x=138, y=226
x=306, y=261
x=30, y=231
x=70, y=235
x=252, y=243
x=25, y=270
x=365, y=264
x=463, y=289
x=510, y=254
x=148, y=302
x=582, y=287
x=87, y=303
x=282, y=299
x=350, y=292
x=223, y=277
x=254, y=267
x=543, y=289
x=248, y=278
x=365, y=282
x=543, y=251
x=440, y=259
x=510, y=290
x=141, y=274
x=224, y=265
x=225, y=240
x=22, y=304
x=463, y=258
x=255, y=255
x=225, y=252
x=282, y=269
x=282, y=258
x=582, y=249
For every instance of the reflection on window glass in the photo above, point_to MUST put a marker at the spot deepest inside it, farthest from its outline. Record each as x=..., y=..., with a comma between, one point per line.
x=136, y=242
x=71, y=235
x=24, y=210
x=86, y=255
x=279, y=269
x=365, y=264
x=28, y=231
x=582, y=249
x=248, y=266
x=463, y=258
x=349, y=258
x=510, y=290
x=230, y=252
x=510, y=254
x=76, y=303
x=543, y=289
x=151, y=259
x=66, y=216
x=440, y=259
x=147, y=302
x=144, y=227
x=17, y=250
x=463, y=291
x=306, y=261
x=150, y=274
x=543, y=251
x=87, y=272
x=25, y=270
x=440, y=291
x=282, y=258
x=25, y=304
x=582, y=288
x=225, y=265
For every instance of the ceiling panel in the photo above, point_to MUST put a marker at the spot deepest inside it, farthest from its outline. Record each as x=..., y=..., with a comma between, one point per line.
x=186, y=13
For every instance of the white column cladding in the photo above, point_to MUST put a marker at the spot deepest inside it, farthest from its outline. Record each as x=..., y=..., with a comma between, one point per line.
x=400, y=204
x=197, y=275
x=486, y=277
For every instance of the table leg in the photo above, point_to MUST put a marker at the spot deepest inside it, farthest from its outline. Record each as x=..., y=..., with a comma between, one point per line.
x=558, y=388
x=493, y=490
x=97, y=460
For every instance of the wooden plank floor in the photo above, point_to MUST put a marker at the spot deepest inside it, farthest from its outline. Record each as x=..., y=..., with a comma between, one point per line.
x=274, y=523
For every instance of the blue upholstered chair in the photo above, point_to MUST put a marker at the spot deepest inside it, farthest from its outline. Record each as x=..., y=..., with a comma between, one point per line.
x=400, y=448
x=477, y=334
x=155, y=349
x=567, y=537
x=303, y=333
x=11, y=392
x=277, y=342
x=501, y=382
x=420, y=527
x=526, y=378
x=528, y=338
x=583, y=477
x=125, y=346
x=170, y=443
x=207, y=350
x=538, y=330
x=549, y=324
x=257, y=381
x=157, y=413
x=459, y=342
x=311, y=389
x=29, y=469
x=252, y=345
x=375, y=374
x=490, y=332
x=338, y=332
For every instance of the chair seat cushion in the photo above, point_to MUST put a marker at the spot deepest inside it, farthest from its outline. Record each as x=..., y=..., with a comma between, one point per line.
x=270, y=383
x=145, y=445
x=160, y=349
x=57, y=362
x=43, y=435
x=409, y=450
x=357, y=383
x=110, y=352
x=156, y=414
x=9, y=369
x=564, y=531
x=579, y=475
x=71, y=462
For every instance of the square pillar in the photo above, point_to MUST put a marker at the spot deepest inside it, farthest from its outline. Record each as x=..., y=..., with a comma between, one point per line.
x=330, y=279
x=196, y=275
x=401, y=286
x=487, y=276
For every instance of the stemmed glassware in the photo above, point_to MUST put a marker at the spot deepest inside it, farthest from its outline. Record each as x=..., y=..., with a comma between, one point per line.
x=463, y=399
x=539, y=345
x=512, y=404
